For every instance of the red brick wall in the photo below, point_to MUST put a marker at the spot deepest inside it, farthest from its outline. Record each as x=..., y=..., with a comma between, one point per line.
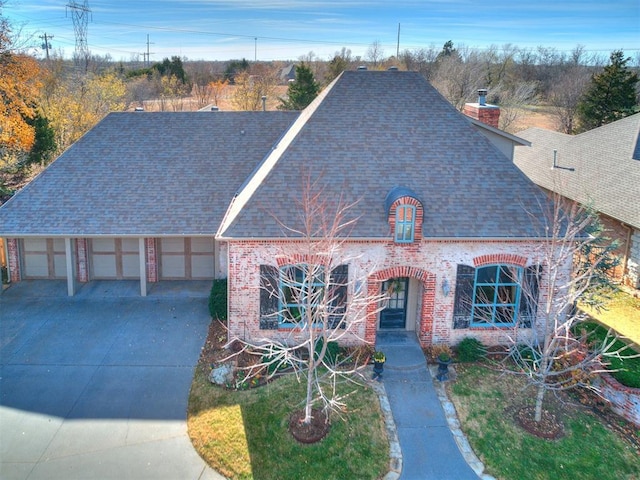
x=14, y=260
x=82, y=260
x=370, y=263
x=625, y=401
x=151, y=259
x=489, y=114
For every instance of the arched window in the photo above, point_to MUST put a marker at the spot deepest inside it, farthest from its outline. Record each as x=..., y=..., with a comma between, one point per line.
x=405, y=215
x=496, y=295
x=405, y=223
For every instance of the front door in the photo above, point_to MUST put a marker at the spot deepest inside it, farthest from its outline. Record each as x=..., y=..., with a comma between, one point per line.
x=395, y=314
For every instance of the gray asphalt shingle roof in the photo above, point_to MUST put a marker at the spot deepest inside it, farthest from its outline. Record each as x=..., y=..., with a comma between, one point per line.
x=606, y=163
x=146, y=173
x=374, y=131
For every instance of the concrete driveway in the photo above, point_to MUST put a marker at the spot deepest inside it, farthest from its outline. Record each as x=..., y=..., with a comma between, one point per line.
x=96, y=386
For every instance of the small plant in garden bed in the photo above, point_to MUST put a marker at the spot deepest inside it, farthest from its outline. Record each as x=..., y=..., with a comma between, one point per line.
x=441, y=352
x=470, y=350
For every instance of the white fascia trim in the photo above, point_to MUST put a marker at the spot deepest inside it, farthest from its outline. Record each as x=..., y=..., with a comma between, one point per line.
x=270, y=161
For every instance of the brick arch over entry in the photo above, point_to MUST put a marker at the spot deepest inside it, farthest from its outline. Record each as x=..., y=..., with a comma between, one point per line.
x=425, y=327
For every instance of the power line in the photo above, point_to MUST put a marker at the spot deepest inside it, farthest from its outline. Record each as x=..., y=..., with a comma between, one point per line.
x=80, y=17
x=46, y=45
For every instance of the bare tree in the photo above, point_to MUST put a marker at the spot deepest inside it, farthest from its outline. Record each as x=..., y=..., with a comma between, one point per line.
x=458, y=79
x=554, y=353
x=317, y=299
x=375, y=53
x=565, y=96
x=512, y=101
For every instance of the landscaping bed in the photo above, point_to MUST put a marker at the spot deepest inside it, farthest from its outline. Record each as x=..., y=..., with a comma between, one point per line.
x=594, y=444
x=244, y=434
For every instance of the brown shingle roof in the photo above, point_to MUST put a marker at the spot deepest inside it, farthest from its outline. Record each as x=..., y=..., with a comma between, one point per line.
x=374, y=131
x=606, y=166
x=146, y=174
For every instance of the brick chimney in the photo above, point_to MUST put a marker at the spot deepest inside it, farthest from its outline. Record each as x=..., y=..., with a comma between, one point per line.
x=489, y=114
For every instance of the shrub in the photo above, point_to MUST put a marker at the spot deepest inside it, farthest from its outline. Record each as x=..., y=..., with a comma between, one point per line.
x=470, y=350
x=218, y=299
x=331, y=354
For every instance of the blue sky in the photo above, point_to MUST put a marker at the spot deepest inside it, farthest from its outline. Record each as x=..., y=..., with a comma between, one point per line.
x=287, y=29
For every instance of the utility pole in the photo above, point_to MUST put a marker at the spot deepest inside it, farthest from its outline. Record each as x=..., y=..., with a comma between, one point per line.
x=255, y=53
x=398, y=47
x=80, y=15
x=147, y=55
x=46, y=45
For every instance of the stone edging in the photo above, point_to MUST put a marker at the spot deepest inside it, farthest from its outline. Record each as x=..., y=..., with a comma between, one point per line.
x=395, y=453
x=454, y=425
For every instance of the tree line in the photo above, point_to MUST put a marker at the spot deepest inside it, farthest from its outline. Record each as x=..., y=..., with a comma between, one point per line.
x=49, y=104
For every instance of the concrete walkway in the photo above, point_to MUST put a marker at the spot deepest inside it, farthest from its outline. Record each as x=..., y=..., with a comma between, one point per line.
x=96, y=386
x=429, y=451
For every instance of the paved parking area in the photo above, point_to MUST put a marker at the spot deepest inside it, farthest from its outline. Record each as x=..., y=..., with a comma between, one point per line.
x=96, y=386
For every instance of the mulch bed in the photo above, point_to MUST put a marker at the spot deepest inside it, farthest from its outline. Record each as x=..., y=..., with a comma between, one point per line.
x=312, y=432
x=549, y=426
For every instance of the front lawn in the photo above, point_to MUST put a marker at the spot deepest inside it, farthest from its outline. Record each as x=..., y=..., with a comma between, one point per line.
x=486, y=403
x=622, y=314
x=244, y=434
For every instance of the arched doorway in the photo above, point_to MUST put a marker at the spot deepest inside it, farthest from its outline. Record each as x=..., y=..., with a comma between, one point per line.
x=394, y=278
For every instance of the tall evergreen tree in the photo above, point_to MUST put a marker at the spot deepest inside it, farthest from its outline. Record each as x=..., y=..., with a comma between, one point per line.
x=611, y=95
x=301, y=91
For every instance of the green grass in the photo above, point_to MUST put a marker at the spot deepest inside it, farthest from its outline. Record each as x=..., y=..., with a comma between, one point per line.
x=484, y=401
x=622, y=314
x=244, y=435
x=625, y=370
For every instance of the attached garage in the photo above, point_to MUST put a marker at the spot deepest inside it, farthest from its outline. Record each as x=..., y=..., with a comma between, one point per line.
x=114, y=258
x=43, y=258
x=186, y=258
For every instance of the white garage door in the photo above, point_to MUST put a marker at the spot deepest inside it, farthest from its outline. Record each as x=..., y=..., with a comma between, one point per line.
x=114, y=258
x=186, y=258
x=44, y=258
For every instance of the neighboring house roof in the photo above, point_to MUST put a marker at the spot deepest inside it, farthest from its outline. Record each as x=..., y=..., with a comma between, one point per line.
x=605, y=163
x=369, y=132
x=288, y=73
x=152, y=174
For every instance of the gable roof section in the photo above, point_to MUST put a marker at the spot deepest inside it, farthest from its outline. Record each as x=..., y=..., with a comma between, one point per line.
x=606, y=163
x=373, y=131
x=146, y=173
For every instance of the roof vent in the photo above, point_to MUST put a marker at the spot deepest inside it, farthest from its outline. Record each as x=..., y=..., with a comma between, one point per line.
x=362, y=67
x=393, y=68
x=139, y=109
x=482, y=96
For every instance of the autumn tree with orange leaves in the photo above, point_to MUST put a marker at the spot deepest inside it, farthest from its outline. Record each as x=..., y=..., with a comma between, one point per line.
x=19, y=88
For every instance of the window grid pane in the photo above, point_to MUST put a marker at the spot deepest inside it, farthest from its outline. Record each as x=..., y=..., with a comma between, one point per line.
x=405, y=223
x=496, y=295
x=296, y=292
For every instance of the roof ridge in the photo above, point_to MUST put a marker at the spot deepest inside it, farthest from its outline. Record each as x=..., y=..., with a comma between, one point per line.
x=249, y=188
